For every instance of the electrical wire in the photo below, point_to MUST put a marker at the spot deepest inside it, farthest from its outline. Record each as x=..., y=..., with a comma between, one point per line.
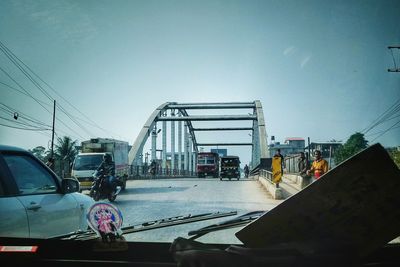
x=385, y=131
x=21, y=115
x=24, y=124
x=15, y=58
x=9, y=54
x=23, y=128
x=20, y=86
x=22, y=92
x=385, y=116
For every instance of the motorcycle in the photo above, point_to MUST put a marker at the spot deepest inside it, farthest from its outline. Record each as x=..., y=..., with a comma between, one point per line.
x=102, y=188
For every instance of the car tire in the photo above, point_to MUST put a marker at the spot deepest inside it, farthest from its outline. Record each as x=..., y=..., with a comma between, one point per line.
x=112, y=197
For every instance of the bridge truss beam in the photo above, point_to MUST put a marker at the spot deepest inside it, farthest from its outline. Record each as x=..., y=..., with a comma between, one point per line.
x=178, y=112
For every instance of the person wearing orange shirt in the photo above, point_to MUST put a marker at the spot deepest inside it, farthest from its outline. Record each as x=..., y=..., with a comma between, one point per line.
x=319, y=166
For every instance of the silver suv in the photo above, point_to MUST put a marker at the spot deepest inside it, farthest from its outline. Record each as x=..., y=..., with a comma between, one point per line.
x=34, y=202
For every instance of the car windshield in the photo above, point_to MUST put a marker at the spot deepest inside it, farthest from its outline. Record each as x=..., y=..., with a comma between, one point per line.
x=87, y=162
x=203, y=107
x=230, y=162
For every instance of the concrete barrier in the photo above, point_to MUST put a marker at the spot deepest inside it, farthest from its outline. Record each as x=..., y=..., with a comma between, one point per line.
x=276, y=192
x=296, y=180
x=290, y=184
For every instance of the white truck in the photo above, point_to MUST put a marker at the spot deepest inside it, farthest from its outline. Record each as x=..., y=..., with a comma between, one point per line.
x=91, y=155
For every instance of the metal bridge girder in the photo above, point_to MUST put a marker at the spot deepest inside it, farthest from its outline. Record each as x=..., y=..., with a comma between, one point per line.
x=259, y=136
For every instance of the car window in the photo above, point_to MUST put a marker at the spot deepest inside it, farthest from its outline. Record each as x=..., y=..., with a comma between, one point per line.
x=210, y=161
x=30, y=177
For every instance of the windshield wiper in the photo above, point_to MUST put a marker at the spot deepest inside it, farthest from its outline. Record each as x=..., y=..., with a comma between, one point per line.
x=236, y=222
x=150, y=225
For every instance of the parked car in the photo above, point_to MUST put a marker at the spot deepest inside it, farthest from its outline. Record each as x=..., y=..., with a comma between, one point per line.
x=34, y=201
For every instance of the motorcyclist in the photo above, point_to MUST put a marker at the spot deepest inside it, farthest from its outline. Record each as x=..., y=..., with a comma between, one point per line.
x=107, y=168
x=153, y=166
x=246, y=171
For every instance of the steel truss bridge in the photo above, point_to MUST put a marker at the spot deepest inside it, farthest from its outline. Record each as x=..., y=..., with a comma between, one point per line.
x=177, y=113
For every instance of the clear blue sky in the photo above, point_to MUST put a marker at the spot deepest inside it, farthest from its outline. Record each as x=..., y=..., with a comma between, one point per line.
x=318, y=67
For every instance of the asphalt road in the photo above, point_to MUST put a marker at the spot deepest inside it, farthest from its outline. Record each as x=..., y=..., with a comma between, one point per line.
x=146, y=200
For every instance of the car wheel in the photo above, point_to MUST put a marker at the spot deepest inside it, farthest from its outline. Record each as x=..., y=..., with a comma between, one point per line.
x=112, y=197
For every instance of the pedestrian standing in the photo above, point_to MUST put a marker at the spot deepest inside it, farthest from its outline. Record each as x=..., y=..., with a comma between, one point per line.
x=302, y=165
x=319, y=166
x=277, y=167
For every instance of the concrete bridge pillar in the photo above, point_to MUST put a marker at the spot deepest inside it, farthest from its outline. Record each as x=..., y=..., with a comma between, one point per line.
x=154, y=143
x=164, y=146
x=186, y=148
x=255, y=158
x=190, y=154
x=172, y=143
x=179, y=146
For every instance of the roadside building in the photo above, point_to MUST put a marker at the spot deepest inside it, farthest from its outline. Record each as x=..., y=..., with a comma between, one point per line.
x=327, y=149
x=291, y=146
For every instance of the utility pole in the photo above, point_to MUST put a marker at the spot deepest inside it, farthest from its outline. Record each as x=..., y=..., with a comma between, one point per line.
x=52, y=138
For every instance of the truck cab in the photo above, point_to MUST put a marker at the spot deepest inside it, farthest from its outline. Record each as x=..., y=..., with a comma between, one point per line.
x=85, y=164
x=91, y=156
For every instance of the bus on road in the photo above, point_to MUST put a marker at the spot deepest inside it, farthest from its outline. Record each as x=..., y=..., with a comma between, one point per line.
x=207, y=164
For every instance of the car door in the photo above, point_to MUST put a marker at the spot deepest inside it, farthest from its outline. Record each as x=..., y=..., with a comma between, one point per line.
x=48, y=211
x=13, y=220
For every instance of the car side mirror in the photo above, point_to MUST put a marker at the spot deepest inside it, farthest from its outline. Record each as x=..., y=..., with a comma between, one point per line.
x=69, y=185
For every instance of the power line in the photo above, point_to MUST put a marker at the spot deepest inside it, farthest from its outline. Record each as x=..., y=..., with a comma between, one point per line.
x=382, y=131
x=385, y=116
x=72, y=119
x=387, y=130
x=29, y=73
x=22, y=123
x=23, y=128
x=15, y=58
x=11, y=57
x=38, y=101
x=20, y=86
x=21, y=115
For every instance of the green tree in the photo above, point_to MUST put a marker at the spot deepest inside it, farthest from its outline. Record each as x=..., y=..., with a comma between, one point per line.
x=65, y=153
x=39, y=152
x=353, y=145
x=395, y=155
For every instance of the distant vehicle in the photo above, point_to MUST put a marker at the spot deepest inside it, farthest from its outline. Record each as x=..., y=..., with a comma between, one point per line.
x=207, y=164
x=230, y=167
x=102, y=189
x=34, y=202
x=91, y=156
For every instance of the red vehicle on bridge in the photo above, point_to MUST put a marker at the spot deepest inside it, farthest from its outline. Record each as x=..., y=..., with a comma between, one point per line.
x=207, y=164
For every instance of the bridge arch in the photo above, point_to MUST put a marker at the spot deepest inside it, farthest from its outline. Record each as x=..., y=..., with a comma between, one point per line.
x=179, y=113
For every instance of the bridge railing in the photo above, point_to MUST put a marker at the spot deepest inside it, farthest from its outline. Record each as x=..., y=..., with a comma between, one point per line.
x=144, y=172
x=291, y=164
x=266, y=174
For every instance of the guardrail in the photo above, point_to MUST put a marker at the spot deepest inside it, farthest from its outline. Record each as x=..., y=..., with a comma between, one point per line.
x=144, y=172
x=265, y=178
x=266, y=174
